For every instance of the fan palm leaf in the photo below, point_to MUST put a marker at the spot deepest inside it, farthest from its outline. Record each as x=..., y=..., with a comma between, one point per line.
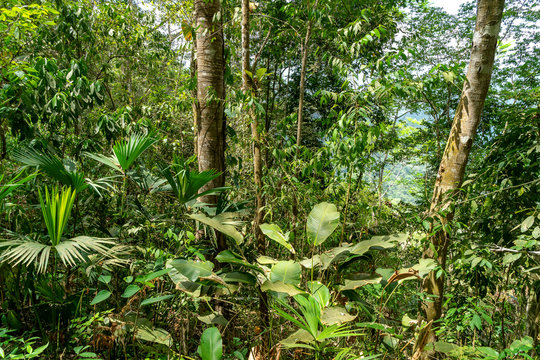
x=186, y=184
x=56, y=210
x=26, y=252
x=125, y=152
x=52, y=166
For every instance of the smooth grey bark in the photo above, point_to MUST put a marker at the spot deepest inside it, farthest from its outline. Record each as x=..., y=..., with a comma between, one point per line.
x=455, y=158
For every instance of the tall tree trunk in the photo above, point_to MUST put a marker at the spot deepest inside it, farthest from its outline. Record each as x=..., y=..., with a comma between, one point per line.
x=210, y=95
x=305, y=49
x=249, y=87
x=195, y=103
x=456, y=155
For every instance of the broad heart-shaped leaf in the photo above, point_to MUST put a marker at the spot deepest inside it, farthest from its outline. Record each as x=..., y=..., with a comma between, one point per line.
x=321, y=223
x=130, y=291
x=299, y=338
x=213, y=319
x=274, y=232
x=348, y=252
x=155, y=335
x=336, y=315
x=280, y=287
x=423, y=267
x=319, y=292
x=230, y=257
x=156, y=299
x=101, y=296
x=221, y=223
x=211, y=345
x=288, y=272
x=239, y=277
x=355, y=284
x=193, y=270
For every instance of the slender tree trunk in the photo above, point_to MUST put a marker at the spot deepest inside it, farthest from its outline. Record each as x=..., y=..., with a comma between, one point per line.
x=533, y=315
x=249, y=87
x=195, y=104
x=210, y=95
x=305, y=50
x=456, y=154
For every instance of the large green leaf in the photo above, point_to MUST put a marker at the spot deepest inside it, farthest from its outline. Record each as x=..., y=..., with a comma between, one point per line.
x=348, y=252
x=101, y=296
x=227, y=256
x=300, y=338
x=193, y=270
x=211, y=347
x=239, y=277
x=274, y=232
x=130, y=291
x=319, y=292
x=377, y=243
x=156, y=299
x=321, y=223
x=222, y=223
x=288, y=272
x=155, y=335
x=355, y=284
x=280, y=287
x=336, y=315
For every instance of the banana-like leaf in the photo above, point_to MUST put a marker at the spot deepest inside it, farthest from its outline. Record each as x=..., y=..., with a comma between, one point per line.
x=281, y=287
x=192, y=270
x=224, y=223
x=288, y=272
x=211, y=347
x=274, y=232
x=321, y=223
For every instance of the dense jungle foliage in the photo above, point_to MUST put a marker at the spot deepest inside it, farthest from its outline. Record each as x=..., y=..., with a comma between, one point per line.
x=211, y=180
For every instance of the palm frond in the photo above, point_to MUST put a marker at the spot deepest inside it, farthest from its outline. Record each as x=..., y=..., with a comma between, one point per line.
x=52, y=166
x=185, y=183
x=110, y=161
x=115, y=256
x=148, y=182
x=105, y=183
x=127, y=152
x=56, y=209
x=76, y=249
x=14, y=183
x=25, y=252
